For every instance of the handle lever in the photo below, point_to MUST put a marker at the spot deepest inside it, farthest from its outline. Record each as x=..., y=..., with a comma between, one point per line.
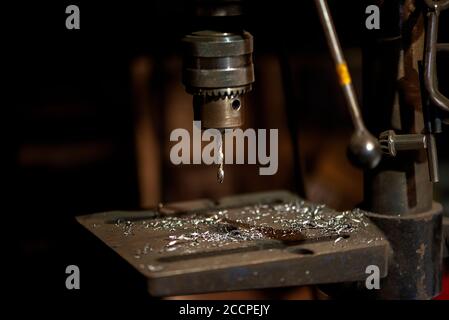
x=430, y=70
x=364, y=150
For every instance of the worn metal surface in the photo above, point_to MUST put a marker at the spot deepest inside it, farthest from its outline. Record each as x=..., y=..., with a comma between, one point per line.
x=416, y=266
x=261, y=240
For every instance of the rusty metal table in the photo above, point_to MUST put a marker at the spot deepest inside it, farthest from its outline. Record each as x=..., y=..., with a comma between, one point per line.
x=261, y=240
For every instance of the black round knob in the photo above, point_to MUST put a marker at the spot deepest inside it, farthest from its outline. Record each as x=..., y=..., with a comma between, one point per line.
x=364, y=150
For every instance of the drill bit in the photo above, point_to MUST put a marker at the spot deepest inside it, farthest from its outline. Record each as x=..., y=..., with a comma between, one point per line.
x=220, y=172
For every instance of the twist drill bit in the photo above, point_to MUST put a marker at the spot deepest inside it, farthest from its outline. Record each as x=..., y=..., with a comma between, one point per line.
x=220, y=172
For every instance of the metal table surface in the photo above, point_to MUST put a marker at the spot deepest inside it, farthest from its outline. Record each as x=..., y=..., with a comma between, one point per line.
x=261, y=240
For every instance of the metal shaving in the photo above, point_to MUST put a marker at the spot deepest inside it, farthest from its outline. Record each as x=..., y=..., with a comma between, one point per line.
x=211, y=230
x=224, y=227
x=126, y=225
x=304, y=216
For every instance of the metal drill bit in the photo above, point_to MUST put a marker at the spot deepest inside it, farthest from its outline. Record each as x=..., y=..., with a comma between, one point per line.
x=220, y=172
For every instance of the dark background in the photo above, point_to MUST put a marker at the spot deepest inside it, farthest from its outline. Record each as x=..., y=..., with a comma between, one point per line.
x=76, y=104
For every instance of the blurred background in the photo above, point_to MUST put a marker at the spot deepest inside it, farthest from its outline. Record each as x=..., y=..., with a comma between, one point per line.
x=91, y=111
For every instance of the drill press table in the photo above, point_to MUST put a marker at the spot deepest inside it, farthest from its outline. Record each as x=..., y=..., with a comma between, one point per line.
x=261, y=240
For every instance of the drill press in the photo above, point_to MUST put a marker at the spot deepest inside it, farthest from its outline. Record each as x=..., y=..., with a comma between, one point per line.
x=218, y=69
x=276, y=239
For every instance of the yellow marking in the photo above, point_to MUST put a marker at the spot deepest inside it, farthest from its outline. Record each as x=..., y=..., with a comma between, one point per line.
x=343, y=74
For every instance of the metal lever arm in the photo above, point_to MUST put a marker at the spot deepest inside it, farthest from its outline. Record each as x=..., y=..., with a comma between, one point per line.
x=430, y=72
x=363, y=149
